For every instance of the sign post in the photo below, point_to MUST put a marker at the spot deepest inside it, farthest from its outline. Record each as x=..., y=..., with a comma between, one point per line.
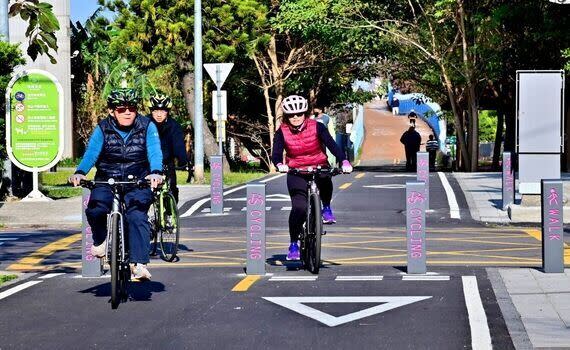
x=216, y=185
x=416, y=227
x=255, y=229
x=34, y=124
x=219, y=73
x=552, y=226
x=423, y=173
x=90, y=265
x=508, y=180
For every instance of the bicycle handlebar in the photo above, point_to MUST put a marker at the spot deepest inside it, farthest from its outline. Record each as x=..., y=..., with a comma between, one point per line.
x=90, y=184
x=311, y=170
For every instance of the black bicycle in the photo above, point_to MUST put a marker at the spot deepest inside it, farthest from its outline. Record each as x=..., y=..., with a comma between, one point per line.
x=117, y=241
x=313, y=228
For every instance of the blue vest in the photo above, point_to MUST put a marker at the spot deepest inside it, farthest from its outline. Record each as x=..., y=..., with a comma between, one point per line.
x=119, y=158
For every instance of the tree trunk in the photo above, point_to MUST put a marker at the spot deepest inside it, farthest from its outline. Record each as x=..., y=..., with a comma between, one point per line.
x=461, y=145
x=473, y=115
x=271, y=126
x=210, y=145
x=498, y=139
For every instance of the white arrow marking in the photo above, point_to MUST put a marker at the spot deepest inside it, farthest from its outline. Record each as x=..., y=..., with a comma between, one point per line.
x=296, y=304
x=388, y=187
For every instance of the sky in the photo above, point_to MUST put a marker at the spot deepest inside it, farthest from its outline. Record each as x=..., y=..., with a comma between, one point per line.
x=82, y=9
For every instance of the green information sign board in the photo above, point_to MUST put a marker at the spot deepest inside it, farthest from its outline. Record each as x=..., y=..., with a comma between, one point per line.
x=34, y=120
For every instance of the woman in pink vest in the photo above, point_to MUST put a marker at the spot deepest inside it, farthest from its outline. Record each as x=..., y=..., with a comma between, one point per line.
x=304, y=141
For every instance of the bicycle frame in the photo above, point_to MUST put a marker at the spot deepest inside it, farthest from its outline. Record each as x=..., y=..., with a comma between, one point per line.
x=116, y=210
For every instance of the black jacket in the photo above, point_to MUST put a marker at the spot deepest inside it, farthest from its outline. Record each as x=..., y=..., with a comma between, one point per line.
x=171, y=141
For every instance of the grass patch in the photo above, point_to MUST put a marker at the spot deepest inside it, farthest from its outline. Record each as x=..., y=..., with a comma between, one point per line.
x=6, y=278
x=229, y=179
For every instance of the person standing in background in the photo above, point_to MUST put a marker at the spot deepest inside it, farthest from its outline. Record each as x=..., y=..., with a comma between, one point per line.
x=431, y=147
x=395, y=106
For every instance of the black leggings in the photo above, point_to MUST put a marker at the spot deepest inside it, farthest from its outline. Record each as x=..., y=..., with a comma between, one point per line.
x=297, y=186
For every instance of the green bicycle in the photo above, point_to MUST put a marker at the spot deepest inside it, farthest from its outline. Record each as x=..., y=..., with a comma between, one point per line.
x=164, y=222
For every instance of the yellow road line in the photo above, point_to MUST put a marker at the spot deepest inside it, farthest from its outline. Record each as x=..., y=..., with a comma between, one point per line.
x=359, y=176
x=536, y=234
x=345, y=185
x=245, y=283
x=33, y=260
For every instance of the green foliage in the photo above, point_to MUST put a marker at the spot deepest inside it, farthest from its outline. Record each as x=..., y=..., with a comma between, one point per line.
x=10, y=57
x=6, y=278
x=42, y=25
x=487, y=126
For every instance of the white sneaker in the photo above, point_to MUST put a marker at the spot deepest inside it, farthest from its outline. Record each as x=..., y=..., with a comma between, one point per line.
x=99, y=251
x=140, y=272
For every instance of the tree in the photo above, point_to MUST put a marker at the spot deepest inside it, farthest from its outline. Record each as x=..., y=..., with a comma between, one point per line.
x=10, y=58
x=153, y=33
x=42, y=25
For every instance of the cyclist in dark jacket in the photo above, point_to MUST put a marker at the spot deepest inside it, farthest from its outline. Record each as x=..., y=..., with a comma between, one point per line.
x=125, y=143
x=171, y=137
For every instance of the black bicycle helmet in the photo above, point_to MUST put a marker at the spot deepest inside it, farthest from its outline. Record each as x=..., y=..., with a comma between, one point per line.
x=123, y=97
x=159, y=101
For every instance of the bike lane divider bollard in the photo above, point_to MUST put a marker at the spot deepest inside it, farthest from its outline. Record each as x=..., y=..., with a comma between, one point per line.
x=552, y=226
x=416, y=227
x=216, y=185
x=423, y=173
x=90, y=265
x=255, y=222
x=508, y=180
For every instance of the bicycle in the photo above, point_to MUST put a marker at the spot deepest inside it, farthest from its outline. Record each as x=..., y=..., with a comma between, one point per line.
x=310, y=238
x=117, y=242
x=164, y=219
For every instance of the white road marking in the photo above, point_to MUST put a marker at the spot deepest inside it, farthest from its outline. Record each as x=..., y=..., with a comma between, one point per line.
x=296, y=304
x=424, y=278
x=453, y=206
x=388, y=187
x=272, y=178
x=359, y=278
x=286, y=208
x=268, y=198
x=293, y=278
x=51, y=275
x=194, y=207
x=480, y=335
x=397, y=175
x=18, y=288
x=8, y=239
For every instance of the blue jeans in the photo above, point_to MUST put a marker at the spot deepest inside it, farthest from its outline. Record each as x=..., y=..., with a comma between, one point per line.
x=137, y=203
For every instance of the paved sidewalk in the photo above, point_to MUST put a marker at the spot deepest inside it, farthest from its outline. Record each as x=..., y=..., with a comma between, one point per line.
x=66, y=212
x=483, y=192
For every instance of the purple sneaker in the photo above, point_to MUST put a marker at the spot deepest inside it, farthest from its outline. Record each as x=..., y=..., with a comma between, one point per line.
x=328, y=216
x=294, y=253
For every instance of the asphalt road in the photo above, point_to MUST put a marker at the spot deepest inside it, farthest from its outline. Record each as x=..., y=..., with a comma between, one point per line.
x=190, y=303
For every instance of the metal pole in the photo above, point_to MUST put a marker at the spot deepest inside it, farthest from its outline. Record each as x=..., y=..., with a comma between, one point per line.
x=219, y=106
x=198, y=113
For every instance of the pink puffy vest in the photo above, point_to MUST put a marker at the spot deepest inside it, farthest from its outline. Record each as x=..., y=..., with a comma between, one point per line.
x=304, y=148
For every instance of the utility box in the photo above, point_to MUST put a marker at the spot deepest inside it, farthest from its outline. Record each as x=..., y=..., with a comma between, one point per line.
x=540, y=127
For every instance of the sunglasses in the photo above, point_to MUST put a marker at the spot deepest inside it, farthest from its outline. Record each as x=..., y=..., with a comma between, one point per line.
x=124, y=109
x=290, y=116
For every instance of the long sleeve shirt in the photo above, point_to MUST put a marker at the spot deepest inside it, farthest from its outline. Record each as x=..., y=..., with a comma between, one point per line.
x=95, y=146
x=323, y=135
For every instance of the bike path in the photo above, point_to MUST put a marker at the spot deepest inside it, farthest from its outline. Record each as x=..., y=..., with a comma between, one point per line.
x=195, y=309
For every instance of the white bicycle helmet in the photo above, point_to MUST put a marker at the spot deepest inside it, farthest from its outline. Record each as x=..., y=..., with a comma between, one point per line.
x=295, y=104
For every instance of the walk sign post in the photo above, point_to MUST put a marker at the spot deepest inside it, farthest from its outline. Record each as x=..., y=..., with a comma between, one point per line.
x=34, y=124
x=552, y=226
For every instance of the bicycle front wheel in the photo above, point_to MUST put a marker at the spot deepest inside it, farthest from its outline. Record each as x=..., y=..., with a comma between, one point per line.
x=314, y=232
x=114, y=262
x=169, y=230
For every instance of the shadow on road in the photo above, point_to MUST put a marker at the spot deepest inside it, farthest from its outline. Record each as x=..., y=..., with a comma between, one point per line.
x=138, y=291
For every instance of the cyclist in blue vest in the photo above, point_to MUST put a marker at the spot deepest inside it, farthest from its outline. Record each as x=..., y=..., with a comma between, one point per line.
x=125, y=143
x=171, y=137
